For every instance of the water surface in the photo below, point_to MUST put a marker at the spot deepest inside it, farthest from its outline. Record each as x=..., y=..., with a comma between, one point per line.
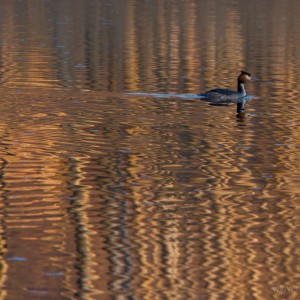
x=110, y=190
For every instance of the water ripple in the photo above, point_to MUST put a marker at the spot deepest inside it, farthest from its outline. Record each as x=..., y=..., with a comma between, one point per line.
x=117, y=181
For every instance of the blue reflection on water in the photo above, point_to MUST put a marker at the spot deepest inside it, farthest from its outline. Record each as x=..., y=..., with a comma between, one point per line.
x=192, y=96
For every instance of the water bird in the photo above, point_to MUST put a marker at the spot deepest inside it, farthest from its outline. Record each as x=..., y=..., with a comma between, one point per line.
x=226, y=95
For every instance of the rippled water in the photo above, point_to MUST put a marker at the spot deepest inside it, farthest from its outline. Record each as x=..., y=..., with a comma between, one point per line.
x=115, y=185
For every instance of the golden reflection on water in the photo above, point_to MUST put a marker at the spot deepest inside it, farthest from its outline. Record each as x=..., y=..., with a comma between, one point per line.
x=110, y=196
x=115, y=195
x=152, y=46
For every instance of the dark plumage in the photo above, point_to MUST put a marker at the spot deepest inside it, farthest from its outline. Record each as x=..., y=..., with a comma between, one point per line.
x=226, y=94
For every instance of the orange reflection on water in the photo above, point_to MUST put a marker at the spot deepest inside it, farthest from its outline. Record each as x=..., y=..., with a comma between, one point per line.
x=105, y=195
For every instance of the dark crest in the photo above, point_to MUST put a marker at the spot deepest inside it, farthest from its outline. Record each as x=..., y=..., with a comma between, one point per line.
x=245, y=73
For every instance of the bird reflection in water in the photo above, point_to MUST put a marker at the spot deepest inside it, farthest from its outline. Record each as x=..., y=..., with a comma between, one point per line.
x=240, y=105
x=240, y=110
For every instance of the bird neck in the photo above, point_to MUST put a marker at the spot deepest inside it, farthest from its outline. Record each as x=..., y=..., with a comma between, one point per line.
x=241, y=88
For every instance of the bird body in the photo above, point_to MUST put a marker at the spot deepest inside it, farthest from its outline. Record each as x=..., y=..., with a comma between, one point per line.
x=226, y=94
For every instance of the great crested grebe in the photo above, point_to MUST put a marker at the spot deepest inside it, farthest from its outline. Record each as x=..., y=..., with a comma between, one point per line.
x=225, y=94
